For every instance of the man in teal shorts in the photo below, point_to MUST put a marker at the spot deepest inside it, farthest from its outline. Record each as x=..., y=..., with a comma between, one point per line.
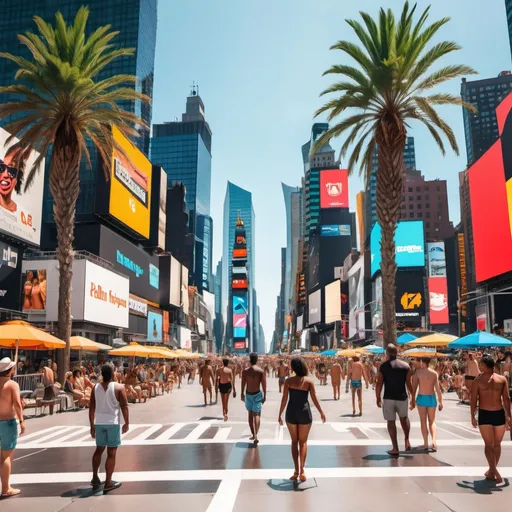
x=10, y=408
x=426, y=381
x=255, y=380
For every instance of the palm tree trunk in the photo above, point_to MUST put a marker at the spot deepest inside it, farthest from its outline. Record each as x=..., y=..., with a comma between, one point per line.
x=390, y=138
x=64, y=186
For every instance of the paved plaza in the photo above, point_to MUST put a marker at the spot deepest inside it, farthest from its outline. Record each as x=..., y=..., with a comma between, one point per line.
x=179, y=453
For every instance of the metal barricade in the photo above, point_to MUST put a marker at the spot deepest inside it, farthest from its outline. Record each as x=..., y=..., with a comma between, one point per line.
x=29, y=381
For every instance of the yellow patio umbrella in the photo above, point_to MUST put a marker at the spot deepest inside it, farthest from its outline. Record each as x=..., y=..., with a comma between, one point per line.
x=350, y=352
x=432, y=340
x=87, y=345
x=422, y=352
x=17, y=334
x=134, y=349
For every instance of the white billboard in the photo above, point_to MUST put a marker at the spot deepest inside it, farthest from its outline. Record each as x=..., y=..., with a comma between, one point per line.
x=356, y=322
x=315, y=307
x=333, y=302
x=185, y=338
x=175, y=291
x=20, y=210
x=184, y=290
x=106, y=297
x=436, y=259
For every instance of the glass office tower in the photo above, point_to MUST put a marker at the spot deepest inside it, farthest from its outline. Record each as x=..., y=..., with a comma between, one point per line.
x=237, y=202
x=184, y=149
x=136, y=21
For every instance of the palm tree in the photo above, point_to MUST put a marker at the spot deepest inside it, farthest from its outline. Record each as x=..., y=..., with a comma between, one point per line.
x=389, y=87
x=60, y=107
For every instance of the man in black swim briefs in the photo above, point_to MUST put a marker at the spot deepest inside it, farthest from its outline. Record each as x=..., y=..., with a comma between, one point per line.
x=225, y=383
x=490, y=393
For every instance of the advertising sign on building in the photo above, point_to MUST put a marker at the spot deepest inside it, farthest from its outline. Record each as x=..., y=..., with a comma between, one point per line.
x=239, y=325
x=239, y=304
x=409, y=242
x=138, y=306
x=162, y=211
x=438, y=300
x=462, y=270
x=335, y=230
x=185, y=338
x=175, y=291
x=10, y=277
x=410, y=296
x=20, y=210
x=130, y=186
x=333, y=302
x=239, y=345
x=436, y=259
x=155, y=324
x=356, y=315
x=334, y=188
x=315, y=307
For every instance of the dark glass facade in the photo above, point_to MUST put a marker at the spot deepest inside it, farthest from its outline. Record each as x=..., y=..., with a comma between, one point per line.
x=136, y=21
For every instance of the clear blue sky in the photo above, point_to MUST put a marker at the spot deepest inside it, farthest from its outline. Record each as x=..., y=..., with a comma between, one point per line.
x=259, y=67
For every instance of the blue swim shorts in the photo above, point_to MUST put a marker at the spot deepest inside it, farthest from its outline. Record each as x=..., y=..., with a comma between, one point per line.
x=108, y=435
x=426, y=401
x=355, y=384
x=253, y=402
x=8, y=434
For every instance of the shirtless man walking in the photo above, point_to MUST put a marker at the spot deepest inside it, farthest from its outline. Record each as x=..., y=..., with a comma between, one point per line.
x=426, y=380
x=336, y=374
x=490, y=394
x=282, y=373
x=225, y=384
x=207, y=380
x=255, y=380
x=472, y=371
x=10, y=408
x=355, y=376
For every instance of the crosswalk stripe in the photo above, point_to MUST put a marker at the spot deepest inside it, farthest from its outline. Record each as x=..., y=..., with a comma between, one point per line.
x=222, y=434
x=169, y=433
x=146, y=433
x=197, y=432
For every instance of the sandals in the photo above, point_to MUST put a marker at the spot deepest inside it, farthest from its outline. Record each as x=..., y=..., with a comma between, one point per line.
x=10, y=493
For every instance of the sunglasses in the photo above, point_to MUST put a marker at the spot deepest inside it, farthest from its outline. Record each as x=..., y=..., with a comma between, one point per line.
x=11, y=171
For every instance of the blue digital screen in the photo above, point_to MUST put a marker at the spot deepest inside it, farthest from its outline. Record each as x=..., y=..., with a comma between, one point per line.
x=335, y=230
x=239, y=305
x=154, y=326
x=154, y=276
x=409, y=241
x=239, y=332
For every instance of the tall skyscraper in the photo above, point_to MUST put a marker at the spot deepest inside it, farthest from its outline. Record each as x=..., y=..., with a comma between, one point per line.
x=481, y=128
x=508, y=7
x=294, y=221
x=136, y=21
x=184, y=149
x=237, y=203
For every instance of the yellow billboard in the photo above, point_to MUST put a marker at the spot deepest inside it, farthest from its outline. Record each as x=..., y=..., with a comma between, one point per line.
x=130, y=186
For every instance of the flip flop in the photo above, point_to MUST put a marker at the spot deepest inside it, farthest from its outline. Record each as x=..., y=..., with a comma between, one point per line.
x=11, y=492
x=112, y=487
x=95, y=483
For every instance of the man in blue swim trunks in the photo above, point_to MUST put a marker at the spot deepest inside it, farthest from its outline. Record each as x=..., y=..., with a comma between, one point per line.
x=255, y=380
x=10, y=408
x=427, y=382
x=355, y=375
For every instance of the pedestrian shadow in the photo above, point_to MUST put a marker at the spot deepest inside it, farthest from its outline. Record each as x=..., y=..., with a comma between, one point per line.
x=328, y=400
x=83, y=492
x=386, y=456
x=484, y=486
x=291, y=486
x=349, y=416
x=200, y=406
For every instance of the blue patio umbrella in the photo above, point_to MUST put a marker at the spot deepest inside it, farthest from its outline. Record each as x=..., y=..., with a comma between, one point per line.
x=480, y=339
x=374, y=349
x=405, y=338
x=330, y=353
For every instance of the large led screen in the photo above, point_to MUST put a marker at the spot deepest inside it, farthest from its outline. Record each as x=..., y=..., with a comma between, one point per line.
x=410, y=296
x=315, y=307
x=239, y=305
x=490, y=189
x=334, y=188
x=333, y=302
x=356, y=316
x=438, y=300
x=409, y=241
x=436, y=259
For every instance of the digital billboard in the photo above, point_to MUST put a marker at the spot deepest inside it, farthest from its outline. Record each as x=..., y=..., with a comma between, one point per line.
x=239, y=345
x=239, y=284
x=409, y=242
x=335, y=230
x=314, y=261
x=356, y=315
x=334, y=188
x=136, y=263
x=155, y=325
x=436, y=259
x=410, y=296
x=175, y=291
x=315, y=307
x=20, y=210
x=438, y=300
x=130, y=186
x=10, y=276
x=185, y=302
x=239, y=253
x=239, y=325
x=239, y=305
x=333, y=302
x=162, y=211
x=490, y=190
x=34, y=289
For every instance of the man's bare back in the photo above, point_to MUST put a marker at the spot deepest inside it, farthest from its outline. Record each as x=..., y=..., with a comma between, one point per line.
x=8, y=391
x=490, y=391
x=253, y=377
x=225, y=375
x=427, y=379
x=282, y=371
x=207, y=376
x=356, y=371
x=336, y=373
x=472, y=369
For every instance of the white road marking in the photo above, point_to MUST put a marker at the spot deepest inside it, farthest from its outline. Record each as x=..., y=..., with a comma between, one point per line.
x=54, y=433
x=262, y=474
x=197, y=433
x=222, y=435
x=45, y=431
x=77, y=432
x=226, y=494
x=30, y=454
x=168, y=433
x=147, y=433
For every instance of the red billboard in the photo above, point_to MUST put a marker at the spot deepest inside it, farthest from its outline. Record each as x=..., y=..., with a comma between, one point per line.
x=490, y=178
x=240, y=284
x=438, y=300
x=239, y=345
x=334, y=188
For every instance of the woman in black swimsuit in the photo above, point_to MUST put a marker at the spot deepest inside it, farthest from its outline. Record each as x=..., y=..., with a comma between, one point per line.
x=298, y=413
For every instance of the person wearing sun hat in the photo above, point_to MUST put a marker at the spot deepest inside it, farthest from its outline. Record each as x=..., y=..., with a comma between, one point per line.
x=10, y=408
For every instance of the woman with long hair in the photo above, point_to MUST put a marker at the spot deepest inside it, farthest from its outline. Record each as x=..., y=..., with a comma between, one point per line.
x=298, y=413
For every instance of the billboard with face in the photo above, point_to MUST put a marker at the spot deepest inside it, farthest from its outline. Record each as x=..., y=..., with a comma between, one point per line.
x=34, y=289
x=20, y=211
x=130, y=186
x=334, y=188
x=409, y=242
x=438, y=300
x=490, y=190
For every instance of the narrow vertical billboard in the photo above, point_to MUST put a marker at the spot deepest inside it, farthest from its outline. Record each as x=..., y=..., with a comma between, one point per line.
x=438, y=299
x=436, y=259
x=334, y=188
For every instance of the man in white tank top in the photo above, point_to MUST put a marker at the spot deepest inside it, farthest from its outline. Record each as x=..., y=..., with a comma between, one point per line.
x=108, y=400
